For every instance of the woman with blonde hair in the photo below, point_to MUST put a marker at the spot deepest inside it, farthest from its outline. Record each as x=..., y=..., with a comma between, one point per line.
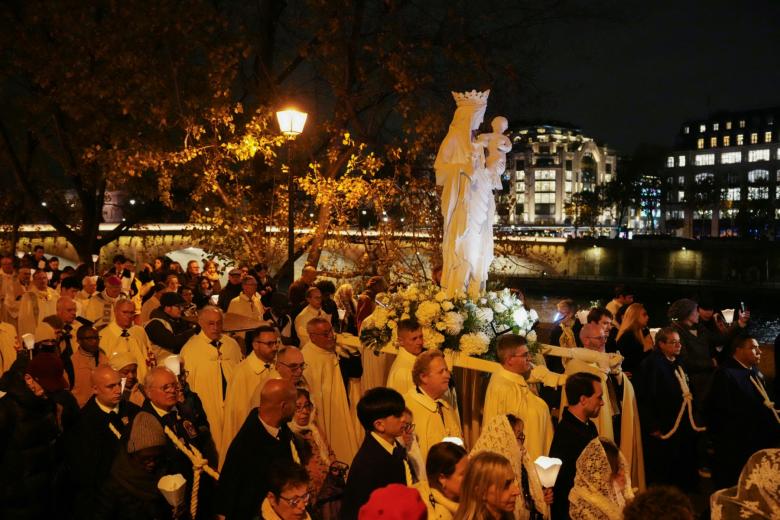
x=632, y=340
x=345, y=301
x=504, y=434
x=489, y=490
x=602, y=484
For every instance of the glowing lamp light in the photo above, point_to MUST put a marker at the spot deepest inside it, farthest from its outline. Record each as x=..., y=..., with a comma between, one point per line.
x=95, y=258
x=173, y=363
x=547, y=468
x=20, y=254
x=291, y=122
x=653, y=332
x=583, y=316
x=728, y=315
x=454, y=440
x=28, y=340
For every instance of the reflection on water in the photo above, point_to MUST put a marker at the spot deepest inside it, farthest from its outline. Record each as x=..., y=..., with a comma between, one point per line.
x=764, y=320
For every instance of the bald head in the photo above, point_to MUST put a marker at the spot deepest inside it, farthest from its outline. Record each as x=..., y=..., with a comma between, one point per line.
x=106, y=385
x=593, y=337
x=277, y=401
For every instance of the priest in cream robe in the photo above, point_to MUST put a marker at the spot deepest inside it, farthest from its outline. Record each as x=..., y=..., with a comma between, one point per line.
x=629, y=434
x=9, y=343
x=247, y=303
x=211, y=359
x=327, y=390
x=11, y=289
x=433, y=416
x=122, y=335
x=37, y=303
x=100, y=307
x=410, y=345
x=312, y=310
x=249, y=376
x=508, y=393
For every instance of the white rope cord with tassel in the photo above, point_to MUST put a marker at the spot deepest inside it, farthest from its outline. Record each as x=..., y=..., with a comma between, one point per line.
x=687, y=403
x=199, y=464
x=767, y=402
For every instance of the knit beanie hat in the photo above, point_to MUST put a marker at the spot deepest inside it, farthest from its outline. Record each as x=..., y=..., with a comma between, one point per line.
x=147, y=432
x=681, y=309
x=394, y=502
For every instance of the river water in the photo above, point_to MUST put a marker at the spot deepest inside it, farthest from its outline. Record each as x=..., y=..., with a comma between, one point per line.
x=764, y=313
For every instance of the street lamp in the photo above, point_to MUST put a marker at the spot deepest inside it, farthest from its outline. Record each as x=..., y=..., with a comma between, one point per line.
x=291, y=123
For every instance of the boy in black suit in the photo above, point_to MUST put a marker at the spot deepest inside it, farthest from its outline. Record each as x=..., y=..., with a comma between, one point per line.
x=381, y=460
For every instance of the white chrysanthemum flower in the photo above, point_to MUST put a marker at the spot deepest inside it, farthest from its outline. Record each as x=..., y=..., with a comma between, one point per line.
x=485, y=314
x=499, y=307
x=532, y=315
x=474, y=344
x=454, y=323
x=520, y=315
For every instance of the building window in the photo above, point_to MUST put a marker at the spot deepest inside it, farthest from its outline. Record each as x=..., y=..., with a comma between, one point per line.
x=713, y=142
x=608, y=167
x=520, y=175
x=519, y=164
x=758, y=193
x=726, y=140
x=681, y=161
x=704, y=159
x=742, y=123
x=670, y=162
x=767, y=137
x=567, y=186
x=687, y=129
x=753, y=138
x=680, y=196
x=702, y=128
x=681, y=180
x=740, y=139
x=703, y=177
x=716, y=126
x=520, y=187
x=544, y=198
x=544, y=175
x=730, y=157
x=568, y=176
x=568, y=164
x=733, y=194
x=670, y=180
x=728, y=125
x=700, y=144
x=758, y=176
x=734, y=178
x=758, y=155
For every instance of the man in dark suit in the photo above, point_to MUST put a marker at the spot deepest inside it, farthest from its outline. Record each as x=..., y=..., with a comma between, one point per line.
x=575, y=430
x=92, y=445
x=740, y=416
x=263, y=440
x=381, y=460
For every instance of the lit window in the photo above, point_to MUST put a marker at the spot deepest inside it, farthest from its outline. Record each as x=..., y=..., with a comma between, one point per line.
x=520, y=187
x=716, y=126
x=568, y=187
x=742, y=123
x=680, y=196
x=544, y=175
x=704, y=159
x=767, y=137
x=758, y=155
x=703, y=177
x=699, y=144
x=544, y=198
x=568, y=175
x=753, y=138
x=728, y=125
x=702, y=128
x=687, y=130
x=726, y=140
x=681, y=180
x=758, y=193
x=730, y=157
x=733, y=194
x=681, y=161
x=758, y=176
x=669, y=162
x=713, y=142
x=740, y=139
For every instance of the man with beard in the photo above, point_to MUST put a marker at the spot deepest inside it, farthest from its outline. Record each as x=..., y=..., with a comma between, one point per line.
x=263, y=439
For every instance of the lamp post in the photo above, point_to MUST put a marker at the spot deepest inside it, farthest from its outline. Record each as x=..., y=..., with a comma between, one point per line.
x=291, y=123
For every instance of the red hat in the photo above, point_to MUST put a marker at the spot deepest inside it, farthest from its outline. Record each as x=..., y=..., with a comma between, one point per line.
x=394, y=502
x=47, y=369
x=113, y=280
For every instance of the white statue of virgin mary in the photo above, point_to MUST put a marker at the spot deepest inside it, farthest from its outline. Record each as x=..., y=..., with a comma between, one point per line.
x=467, y=202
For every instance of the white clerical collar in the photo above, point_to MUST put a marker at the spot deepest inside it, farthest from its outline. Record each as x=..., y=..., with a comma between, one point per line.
x=405, y=355
x=515, y=378
x=105, y=408
x=382, y=442
x=272, y=431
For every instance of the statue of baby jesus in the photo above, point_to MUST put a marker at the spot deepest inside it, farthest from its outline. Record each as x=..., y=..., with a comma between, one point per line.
x=497, y=145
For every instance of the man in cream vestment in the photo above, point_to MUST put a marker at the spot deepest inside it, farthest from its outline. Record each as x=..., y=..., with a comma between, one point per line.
x=100, y=306
x=37, y=303
x=328, y=393
x=630, y=436
x=433, y=416
x=8, y=343
x=247, y=303
x=312, y=310
x=120, y=335
x=211, y=359
x=508, y=392
x=248, y=378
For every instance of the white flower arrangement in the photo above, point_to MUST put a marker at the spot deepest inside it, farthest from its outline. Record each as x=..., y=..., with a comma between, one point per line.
x=470, y=326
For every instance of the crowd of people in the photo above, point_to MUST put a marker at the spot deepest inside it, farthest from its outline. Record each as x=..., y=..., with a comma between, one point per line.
x=112, y=381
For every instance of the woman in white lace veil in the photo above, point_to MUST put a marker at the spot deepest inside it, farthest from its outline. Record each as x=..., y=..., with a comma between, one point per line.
x=757, y=494
x=499, y=437
x=602, y=484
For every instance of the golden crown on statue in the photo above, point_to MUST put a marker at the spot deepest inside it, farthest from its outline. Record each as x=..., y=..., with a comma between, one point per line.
x=471, y=98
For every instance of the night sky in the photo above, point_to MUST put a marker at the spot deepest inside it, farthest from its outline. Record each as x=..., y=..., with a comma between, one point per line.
x=635, y=81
